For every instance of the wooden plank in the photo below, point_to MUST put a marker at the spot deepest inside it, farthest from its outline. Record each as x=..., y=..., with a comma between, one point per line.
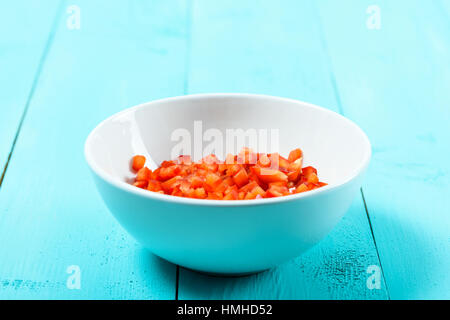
x=24, y=39
x=395, y=82
x=51, y=215
x=274, y=47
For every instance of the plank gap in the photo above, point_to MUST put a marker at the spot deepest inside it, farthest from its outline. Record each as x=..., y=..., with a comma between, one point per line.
x=33, y=86
x=375, y=242
x=177, y=282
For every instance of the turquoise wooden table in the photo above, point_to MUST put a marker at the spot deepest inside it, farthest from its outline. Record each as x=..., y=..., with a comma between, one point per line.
x=66, y=65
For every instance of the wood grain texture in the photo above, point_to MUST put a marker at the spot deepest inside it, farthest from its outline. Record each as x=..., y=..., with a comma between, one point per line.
x=276, y=48
x=50, y=214
x=395, y=82
x=23, y=45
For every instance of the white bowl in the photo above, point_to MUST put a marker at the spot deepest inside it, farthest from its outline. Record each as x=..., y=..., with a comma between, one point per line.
x=228, y=237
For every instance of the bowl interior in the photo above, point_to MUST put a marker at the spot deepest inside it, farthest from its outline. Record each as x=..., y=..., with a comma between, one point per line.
x=331, y=143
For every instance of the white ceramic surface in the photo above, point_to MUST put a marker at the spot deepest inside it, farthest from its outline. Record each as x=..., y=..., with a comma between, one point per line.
x=228, y=237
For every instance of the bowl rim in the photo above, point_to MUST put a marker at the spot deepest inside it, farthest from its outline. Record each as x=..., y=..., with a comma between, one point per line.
x=123, y=185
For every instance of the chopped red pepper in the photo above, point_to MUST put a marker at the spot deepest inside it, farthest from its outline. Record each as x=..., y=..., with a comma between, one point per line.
x=243, y=177
x=138, y=162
